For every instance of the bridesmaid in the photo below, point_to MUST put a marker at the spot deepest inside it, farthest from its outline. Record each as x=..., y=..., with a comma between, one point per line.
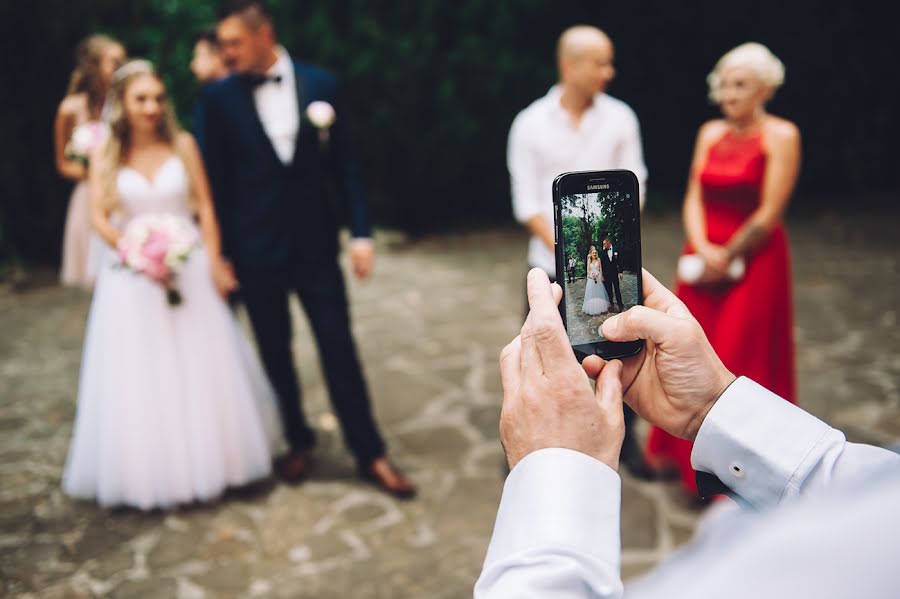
x=744, y=170
x=97, y=57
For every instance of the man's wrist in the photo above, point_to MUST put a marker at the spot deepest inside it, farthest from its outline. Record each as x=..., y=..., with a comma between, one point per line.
x=726, y=380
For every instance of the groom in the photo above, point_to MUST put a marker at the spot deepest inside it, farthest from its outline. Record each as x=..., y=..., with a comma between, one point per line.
x=609, y=263
x=270, y=165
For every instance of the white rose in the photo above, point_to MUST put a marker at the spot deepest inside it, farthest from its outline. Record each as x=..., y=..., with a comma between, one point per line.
x=320, y=114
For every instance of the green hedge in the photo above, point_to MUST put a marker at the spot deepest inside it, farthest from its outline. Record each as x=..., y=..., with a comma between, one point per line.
x=434, y=85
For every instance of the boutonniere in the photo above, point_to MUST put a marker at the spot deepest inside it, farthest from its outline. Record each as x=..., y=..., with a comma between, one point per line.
x=321, y=115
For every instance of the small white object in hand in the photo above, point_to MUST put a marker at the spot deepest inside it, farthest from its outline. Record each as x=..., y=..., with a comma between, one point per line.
x=320, y=114
x=692, y=267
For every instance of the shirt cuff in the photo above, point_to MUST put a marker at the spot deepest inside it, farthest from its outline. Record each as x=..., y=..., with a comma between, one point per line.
x=559, y=498
x=362, y=241
x=756, y=443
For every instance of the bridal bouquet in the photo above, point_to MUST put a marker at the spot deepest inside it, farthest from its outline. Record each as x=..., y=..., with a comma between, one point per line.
x=594, y=275
x=158, y=245
x=85, y=139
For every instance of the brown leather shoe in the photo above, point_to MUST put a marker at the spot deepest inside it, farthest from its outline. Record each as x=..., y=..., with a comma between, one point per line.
x=386, y=476
x=293, y=467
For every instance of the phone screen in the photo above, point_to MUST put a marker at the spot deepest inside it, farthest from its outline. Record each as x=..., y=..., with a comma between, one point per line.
x=600, y=238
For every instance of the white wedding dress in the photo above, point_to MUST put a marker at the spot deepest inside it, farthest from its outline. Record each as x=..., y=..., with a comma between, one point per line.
x=596, y=301
x=173, y=406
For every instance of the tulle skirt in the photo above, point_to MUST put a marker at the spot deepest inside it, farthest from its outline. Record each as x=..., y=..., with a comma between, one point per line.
x=173, y=406
x=81, y=247
x=596, y=301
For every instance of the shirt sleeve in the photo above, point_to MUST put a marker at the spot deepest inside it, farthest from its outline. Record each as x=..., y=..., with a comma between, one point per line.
x=766, y=449
x=523, y=172
x=632, y=153
x=557, y=530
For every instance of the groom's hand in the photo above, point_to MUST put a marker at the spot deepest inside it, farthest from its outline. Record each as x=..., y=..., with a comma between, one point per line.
x=362, y=258
x=547, y=399
x=675, y=380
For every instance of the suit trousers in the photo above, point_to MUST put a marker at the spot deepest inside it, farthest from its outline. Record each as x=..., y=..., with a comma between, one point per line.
x=611, y=282
x=320, y=289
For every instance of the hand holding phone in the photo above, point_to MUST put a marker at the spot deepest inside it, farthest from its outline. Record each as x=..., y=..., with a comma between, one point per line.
x=598, y=256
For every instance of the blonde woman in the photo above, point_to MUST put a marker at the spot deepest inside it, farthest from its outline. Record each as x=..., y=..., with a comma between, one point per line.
x=596, y=300
x=744, y=171
x=97, y=57
x=172, y=406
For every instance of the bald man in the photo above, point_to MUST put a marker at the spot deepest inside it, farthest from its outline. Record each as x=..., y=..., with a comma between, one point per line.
x=577, y=126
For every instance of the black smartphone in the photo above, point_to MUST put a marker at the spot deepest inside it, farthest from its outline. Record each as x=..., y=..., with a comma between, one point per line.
x=597, y=220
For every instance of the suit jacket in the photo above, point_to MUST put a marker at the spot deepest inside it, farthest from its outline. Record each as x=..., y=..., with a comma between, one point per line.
x=272, y=214
x=610, y=267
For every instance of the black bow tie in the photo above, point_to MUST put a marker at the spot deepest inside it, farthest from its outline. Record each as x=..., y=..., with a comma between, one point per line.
x=255, y=79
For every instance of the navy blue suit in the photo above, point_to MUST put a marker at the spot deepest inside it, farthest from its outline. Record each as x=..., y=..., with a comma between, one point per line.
x=280, y=230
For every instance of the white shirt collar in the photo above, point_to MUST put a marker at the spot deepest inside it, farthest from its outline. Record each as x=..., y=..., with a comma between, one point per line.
x=555, y=97
x=283, y=65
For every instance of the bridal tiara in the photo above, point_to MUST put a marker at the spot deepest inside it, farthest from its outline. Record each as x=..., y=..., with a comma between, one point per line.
x=133, y=67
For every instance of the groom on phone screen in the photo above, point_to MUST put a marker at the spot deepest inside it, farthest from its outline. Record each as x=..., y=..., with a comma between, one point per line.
x=612, y=273
x=271, y=163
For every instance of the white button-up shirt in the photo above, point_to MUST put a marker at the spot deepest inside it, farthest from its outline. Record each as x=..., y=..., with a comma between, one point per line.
x=276, y=104
x=836, y=533
x=543, y=143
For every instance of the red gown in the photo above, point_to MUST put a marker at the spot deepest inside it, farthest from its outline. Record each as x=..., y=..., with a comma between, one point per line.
x=749, y=323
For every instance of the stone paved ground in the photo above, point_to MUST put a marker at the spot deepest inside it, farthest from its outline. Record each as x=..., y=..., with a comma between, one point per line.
x=583, y=328
x=430, y=327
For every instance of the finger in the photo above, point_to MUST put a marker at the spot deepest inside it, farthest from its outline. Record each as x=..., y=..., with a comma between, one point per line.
x=609, y=388
x=656, y=296
x=639, y=322
x=557, y=292
x=592, y=366
x=511, y=366
x=541, y=301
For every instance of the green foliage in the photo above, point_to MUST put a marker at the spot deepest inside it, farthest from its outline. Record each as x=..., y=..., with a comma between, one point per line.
x=432, y=87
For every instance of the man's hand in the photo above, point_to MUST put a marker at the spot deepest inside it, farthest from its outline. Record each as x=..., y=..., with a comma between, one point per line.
x=547, y=399
x=362, y=258
x=677, y=377
x=224, y=277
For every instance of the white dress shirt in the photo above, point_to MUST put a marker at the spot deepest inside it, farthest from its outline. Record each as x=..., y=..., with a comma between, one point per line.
x=543, y=143
x=836, y=533
x=276, y=104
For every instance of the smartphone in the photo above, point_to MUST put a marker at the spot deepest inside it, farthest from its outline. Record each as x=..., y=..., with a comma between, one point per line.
x=597, y=221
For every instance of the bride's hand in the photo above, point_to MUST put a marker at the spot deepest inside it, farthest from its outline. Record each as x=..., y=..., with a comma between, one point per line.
x=223, y=276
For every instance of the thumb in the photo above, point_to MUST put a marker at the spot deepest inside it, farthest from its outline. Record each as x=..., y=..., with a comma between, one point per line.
x=638, y=322
x=608, y=391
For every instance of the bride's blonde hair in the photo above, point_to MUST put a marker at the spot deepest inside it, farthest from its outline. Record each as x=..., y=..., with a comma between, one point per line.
x=119, y=143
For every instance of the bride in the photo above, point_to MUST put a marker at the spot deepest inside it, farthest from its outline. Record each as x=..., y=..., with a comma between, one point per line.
x=172, y=406
x=596, y=301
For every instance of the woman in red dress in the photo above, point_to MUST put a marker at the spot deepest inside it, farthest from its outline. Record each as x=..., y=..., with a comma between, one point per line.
x=743, y=173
